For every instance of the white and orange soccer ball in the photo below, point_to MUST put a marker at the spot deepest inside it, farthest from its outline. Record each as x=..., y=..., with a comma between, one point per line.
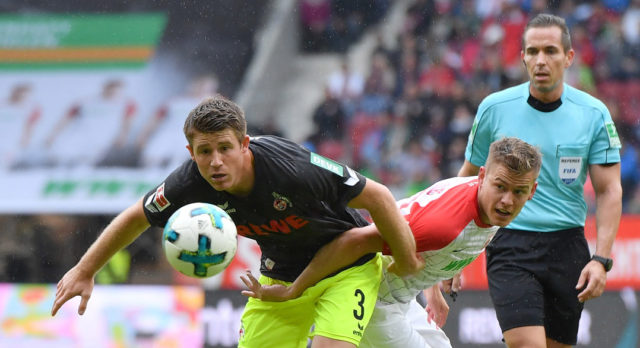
x=200, y=240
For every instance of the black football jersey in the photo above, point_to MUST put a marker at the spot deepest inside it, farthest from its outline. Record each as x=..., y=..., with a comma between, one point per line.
x=298, y=203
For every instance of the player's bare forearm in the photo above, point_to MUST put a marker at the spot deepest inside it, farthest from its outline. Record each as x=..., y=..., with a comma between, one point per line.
x=606, y=184
x=379, y=201
x=437, y=307
x=468, y=169
x=123, y=230
x=339, y=253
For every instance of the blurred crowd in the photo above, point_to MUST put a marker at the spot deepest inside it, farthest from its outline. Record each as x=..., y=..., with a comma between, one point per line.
x=333, y=25
x=97, y=130
x=406, y=121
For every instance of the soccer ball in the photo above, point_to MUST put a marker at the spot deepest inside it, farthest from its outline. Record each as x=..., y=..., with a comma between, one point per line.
x=200, y=240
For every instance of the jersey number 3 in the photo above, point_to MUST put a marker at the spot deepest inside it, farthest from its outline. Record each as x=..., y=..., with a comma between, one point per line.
x=359, y=313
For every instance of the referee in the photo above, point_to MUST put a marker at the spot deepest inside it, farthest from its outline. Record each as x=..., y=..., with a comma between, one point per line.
x=540, y=269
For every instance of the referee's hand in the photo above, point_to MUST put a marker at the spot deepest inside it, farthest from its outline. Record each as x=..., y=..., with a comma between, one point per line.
x=593, y=280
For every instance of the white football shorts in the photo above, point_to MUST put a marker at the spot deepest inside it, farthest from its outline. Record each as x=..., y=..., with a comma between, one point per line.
x=403, y=325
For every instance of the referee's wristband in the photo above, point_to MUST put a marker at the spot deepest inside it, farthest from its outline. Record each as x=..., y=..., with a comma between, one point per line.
x=606, y=262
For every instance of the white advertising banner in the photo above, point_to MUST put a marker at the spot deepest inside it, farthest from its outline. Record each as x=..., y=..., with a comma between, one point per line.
x=74, y=191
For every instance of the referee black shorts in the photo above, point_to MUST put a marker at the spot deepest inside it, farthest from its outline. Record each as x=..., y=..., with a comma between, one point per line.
x=532, y=280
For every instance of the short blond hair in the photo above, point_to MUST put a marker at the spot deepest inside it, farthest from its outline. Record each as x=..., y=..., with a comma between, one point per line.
x=515, y=154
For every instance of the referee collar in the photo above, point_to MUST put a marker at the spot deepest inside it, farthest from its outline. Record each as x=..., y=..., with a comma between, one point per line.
x=543, y=107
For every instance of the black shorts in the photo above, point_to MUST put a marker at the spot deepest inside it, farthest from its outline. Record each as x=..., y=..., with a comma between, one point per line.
x=532, y=280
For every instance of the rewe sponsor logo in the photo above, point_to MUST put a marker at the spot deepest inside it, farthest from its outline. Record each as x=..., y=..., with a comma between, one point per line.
x=284, y=226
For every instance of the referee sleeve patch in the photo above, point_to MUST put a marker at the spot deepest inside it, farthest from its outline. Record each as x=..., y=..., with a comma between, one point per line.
x=614, y=139
x=472, y=134
x=327, y=164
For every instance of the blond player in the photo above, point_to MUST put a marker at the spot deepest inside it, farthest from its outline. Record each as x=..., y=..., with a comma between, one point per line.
x=452, y=222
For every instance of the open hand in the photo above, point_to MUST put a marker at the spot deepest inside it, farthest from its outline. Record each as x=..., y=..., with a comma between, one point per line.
x=270, y=293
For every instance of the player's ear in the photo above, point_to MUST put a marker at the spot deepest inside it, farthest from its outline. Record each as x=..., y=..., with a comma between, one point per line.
x=482, y=173
x=533, y=190
x=190, y=151
x=245, y=143
x=569, y=58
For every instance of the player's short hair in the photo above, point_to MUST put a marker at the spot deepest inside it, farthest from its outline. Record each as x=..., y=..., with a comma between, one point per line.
x=215, y=114
x=517, y=155
x=545, y=20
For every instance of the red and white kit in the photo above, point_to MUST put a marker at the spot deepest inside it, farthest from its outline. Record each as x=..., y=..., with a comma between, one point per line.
x=446, y=224
x=449, y=234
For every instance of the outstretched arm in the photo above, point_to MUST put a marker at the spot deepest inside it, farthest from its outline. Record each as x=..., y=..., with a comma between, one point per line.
x=78, y=281
x=339, y=253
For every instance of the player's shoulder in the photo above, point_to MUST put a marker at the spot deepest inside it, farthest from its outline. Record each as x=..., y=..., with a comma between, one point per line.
x=457, y=181
x=275, y=146
x=274, y=154
x=452, y=187
x=445, y=199
x=583, y=99
x=293, y=160
x=183, y=185
x=505, y=96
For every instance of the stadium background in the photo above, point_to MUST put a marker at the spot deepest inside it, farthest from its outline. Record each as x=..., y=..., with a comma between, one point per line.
x=415, y=71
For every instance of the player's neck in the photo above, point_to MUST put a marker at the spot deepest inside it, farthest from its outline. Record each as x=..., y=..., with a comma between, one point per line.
x=551, y=97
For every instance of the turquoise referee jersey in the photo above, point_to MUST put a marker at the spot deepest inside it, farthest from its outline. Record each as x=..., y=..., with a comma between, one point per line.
x=578, y=133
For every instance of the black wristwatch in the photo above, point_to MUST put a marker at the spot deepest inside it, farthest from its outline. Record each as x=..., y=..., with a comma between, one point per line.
x=606, y=262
